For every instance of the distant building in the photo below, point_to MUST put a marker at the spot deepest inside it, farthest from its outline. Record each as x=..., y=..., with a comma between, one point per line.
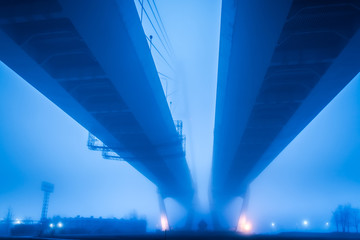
x=77, y=225
x=82, y=225
x=26, y=229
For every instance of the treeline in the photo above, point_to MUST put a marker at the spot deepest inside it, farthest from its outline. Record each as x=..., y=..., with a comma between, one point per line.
x=345, y=218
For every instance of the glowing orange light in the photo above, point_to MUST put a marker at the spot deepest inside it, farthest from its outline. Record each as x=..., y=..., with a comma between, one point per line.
x=243, y=225
x=247, y=227
x=164, y=223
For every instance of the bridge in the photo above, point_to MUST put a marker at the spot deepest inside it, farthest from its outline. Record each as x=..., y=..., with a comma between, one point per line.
x=92, y=59
x=279, y=66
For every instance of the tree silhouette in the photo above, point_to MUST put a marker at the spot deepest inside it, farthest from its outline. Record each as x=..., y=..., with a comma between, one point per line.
x=356, y=218
x=345, y=217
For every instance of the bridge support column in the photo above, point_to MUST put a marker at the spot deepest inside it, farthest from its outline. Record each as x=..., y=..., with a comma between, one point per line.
x=215, y=220
x=243, y=225
x=217, y=206
x=189, y=220
x=163, y=214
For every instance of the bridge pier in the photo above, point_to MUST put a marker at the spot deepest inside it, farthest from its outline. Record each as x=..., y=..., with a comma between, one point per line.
x=217, y=206
x=243, y=225
x=215, y=220
x=189, y=220
x=163, y=214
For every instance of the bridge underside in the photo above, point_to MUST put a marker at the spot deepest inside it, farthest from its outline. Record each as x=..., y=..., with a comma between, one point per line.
x=92, y=60
x=279, y=66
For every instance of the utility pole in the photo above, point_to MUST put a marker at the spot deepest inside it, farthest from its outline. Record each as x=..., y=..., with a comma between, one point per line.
x=8, y=221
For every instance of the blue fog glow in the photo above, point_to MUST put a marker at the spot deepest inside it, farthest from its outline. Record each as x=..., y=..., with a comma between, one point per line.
x=317, y=171
x=40, y=142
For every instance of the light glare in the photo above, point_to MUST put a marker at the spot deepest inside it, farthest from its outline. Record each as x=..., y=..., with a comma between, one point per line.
x=243, y=226
x=164, y=223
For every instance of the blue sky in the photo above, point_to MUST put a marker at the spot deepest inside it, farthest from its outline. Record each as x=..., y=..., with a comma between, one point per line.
x=38, y=141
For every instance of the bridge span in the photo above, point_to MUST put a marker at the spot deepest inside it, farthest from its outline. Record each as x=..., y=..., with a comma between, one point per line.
x=280, y=64
x=92, y=59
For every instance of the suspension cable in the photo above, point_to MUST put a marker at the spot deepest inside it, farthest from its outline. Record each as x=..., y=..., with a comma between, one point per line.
x=161, y=41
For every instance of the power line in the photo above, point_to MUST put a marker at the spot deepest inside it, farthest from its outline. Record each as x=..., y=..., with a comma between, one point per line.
x=162, y=43
x=165, y=76
x=142, y=9
x=161, y=30
x=159, y=53
x=162, y=24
